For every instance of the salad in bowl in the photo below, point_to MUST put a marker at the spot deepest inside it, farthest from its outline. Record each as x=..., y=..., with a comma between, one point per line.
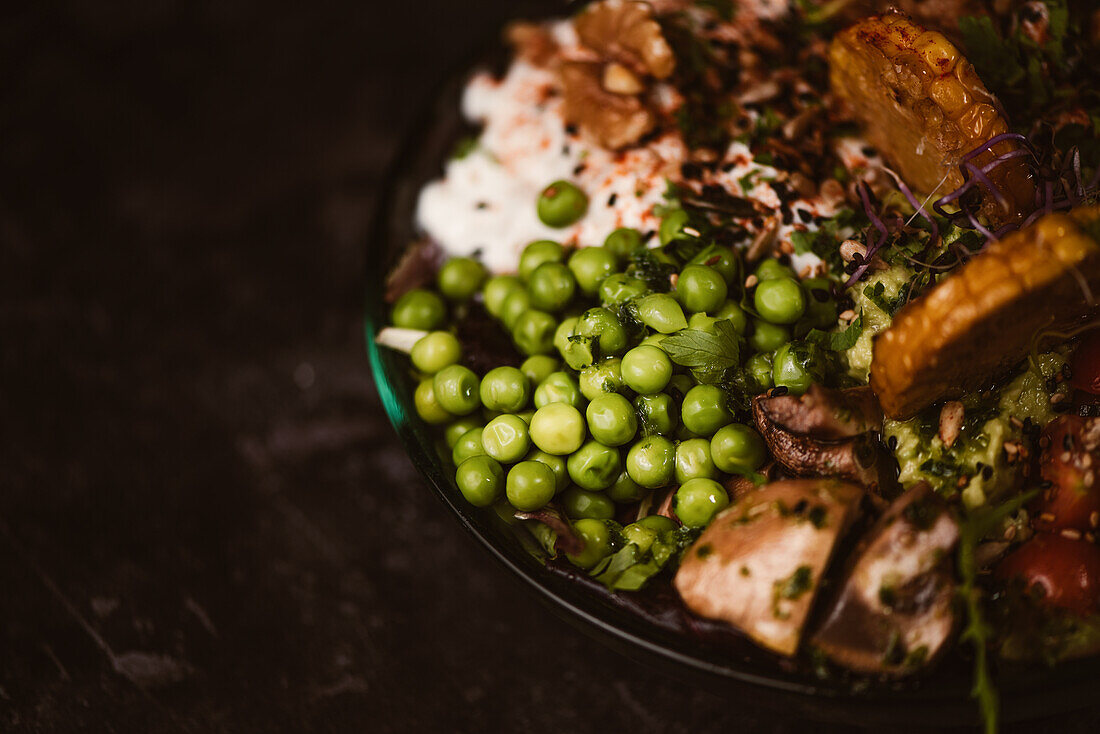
x=786, y=312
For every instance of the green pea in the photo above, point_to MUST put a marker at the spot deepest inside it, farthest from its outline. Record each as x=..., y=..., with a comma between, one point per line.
x=530, y=485
x=538, y=367
x=419, y=309
x=701, y=288
x=732, y=311
x=620, y=288
x=456, y=389
x=780, y=300
x=640, y=536
x=533, y=332
x=526, y=416
x=559, y=387
x=611, y=419
x=480, y=480
x=821, y=309
x=562, y=334
x=556, y=464
x=434, y=351
x=596, y=537
x=505, y=389
x=772, y=268
x=603, y=326
x=722, y=259
x=699, y=500
x=590, y=265
x=594, y=466
x=679, y=386
x=551, y=286
x=702, y=322
x=693, y=460
x=624, y=241
x=652, y=462
x=798, y=365
x=660, y=523
x=661, y=312
x=646, y=369
x=538, y=253
x=602, y=377
x=469, y=444
x=672, y=226
x=581, y=503
x=625, y=490
x=497, y=290
x=561, y=204
x=767, y=337
x=453, y=432
x=704, y=410
x=515, y=305
x=558, y=428
x=737, y=449
x=428, y=407
x=506, y=438
x=460, y=278
x=759, y=368
x=580, y=352
x=657, y=414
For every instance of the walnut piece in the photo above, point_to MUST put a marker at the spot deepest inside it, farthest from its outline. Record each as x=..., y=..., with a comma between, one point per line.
x=613, y=120
x=625, y=31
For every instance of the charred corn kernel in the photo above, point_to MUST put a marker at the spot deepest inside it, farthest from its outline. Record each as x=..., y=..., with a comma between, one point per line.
x=924, y=107
x=974, y=325
x=951, y=96
x=976, y=120
x=937, y=51
x=929, y=112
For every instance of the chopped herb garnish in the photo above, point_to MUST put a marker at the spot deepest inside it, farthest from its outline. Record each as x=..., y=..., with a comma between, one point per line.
x=838, y=341
x=706, y=353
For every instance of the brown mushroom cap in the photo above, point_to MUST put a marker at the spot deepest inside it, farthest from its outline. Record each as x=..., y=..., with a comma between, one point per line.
x=809, y=435
x=980, y=321
x=758, y=565
x=895, y=611
x=827, y=414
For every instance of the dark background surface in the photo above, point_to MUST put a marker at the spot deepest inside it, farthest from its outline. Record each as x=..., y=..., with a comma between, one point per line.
x=206, y=523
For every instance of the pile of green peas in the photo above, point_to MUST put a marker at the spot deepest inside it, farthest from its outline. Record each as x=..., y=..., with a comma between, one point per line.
x=598, y=415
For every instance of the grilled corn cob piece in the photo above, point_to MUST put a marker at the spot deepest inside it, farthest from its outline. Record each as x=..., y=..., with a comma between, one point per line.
x=924, y=107
x=980, y=321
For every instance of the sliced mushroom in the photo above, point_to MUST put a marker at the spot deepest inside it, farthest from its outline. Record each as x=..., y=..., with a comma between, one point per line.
x=894, y=611
x=816, y=435
x=981, y=321
x=830, y=415
x=759, y=564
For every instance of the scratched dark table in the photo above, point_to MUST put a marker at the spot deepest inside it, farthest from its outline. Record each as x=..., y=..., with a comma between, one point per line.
x=206, y=523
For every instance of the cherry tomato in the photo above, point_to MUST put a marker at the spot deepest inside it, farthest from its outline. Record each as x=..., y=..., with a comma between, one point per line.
x=1066, y=572
x=1070, y=460
x=1086, y=364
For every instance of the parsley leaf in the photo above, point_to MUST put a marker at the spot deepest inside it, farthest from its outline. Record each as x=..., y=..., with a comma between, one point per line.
x=703, y=351
x=838, y=341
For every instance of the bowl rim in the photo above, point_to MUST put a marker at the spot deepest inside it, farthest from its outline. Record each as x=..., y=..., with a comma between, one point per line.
x=584, y=610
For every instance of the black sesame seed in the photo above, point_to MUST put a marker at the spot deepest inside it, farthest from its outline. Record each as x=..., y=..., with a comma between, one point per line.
x=892, y=443
x=779, y=391
x=805, y=215
x=578, y=170
x=612, y=199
